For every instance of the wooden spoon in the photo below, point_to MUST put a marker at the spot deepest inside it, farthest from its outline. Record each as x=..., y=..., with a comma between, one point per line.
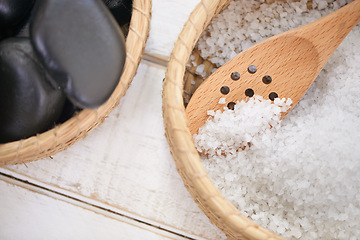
x=282, y=66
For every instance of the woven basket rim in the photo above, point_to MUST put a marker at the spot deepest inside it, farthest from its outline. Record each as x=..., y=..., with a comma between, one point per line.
x=196, y=179
x=66, y=134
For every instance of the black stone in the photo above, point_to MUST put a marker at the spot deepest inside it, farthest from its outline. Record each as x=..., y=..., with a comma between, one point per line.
x=13, y=15
x=29, y=103
x=120, y=9
x=68, y=112
x=82, y=46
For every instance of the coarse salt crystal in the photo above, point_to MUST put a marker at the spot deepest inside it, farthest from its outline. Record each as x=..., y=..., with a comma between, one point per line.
x=222, y=101
x=200, y=70
x=298, y=178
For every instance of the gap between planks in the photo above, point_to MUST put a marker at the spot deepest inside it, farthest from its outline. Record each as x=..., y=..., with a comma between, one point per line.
x=93, y=205
x=156, y=60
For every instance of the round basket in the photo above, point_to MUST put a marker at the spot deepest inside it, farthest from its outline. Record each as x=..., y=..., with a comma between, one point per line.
x=180, y=83
x=77, y=127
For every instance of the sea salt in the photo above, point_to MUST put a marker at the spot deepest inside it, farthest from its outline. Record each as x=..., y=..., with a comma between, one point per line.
x=200, y=70
x=222, y=101
x=300, y=177
x=229, y=131
x=245, y=23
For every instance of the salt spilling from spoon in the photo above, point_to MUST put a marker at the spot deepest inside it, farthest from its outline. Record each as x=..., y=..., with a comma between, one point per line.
x=303, y=181
x=231, y=130
x=282, y=66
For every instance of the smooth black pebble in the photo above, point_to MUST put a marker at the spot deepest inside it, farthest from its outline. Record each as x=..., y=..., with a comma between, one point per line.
x=120, y=9
x=13, y=15
x=29, y=103
x=82, y=46
x=68, y=112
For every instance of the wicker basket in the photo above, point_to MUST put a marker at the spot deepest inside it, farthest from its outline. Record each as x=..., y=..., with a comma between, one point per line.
x=76, y=128
x=180, y=83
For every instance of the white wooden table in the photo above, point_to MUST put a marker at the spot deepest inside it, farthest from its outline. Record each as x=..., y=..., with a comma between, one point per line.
x=120, y=182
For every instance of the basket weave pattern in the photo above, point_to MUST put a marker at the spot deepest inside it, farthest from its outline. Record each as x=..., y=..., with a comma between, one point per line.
x=76, y=128
x=178, y=87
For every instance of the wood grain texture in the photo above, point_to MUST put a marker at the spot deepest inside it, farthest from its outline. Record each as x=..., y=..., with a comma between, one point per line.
x=292, y=59
x=188, y=162
x=123, y=165
x=168, y=18
x=126, y=163
x=46, y=217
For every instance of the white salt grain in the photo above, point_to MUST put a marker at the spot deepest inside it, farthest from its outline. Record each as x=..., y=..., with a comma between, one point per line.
x=231, y=130
x=222, y=101
x=322, y=5
x=249, y=20
x=299, y=178
x=200, y=70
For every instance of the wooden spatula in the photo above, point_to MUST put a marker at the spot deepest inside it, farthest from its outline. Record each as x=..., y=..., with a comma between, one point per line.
x=282, y=66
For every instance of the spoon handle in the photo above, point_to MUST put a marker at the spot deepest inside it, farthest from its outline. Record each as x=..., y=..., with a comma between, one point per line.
x=330, y=30
x=291, y=59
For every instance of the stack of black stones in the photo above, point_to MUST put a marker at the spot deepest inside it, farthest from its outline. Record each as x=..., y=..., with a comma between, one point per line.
x=57, y=57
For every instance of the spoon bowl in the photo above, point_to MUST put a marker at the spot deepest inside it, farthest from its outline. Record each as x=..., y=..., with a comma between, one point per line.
x=282, y=66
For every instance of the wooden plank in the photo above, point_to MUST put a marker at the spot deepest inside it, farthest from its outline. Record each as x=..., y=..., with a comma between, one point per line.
x=126, y=163
x=167, y=20
x=29, y=214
